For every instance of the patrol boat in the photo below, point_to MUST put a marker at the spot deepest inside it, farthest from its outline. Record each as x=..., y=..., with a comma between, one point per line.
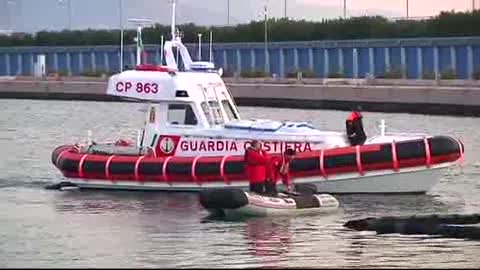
x=194, y=139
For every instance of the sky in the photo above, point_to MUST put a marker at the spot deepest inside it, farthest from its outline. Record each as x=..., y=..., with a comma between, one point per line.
x=417, y=8
x=37, y=15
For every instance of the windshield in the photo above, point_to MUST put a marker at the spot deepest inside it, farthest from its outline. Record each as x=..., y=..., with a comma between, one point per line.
x=213, y=112
x=229, y=110
x=181, y=114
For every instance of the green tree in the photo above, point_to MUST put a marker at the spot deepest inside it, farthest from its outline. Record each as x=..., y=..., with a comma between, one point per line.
x=446, y=24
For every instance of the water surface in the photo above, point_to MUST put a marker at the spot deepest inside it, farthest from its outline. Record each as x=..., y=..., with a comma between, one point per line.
x=42, y=228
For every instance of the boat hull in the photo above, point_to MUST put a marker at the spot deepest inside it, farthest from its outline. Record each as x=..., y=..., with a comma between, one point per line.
x=408, y=181
x=412, y=181
x=406, y=167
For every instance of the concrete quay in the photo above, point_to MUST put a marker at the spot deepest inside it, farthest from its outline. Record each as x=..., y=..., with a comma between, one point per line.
x=439, y=97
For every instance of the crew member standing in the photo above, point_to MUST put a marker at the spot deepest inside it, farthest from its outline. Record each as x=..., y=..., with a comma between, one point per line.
x=355, y=133
x=256, y=161
x=280, y=167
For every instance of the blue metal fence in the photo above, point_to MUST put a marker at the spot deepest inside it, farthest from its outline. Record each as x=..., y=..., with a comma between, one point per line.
x=408, y=58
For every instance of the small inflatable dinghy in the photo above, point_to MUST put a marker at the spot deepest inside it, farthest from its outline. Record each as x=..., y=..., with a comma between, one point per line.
x=236, y=202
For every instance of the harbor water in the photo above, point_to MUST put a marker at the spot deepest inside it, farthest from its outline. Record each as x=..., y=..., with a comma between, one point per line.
x=44, y=228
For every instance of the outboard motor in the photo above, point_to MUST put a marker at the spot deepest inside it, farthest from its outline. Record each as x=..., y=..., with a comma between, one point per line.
x=355, y=133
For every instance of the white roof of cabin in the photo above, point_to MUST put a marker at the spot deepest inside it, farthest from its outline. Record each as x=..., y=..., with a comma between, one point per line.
x=162, y=86
x=191, y=82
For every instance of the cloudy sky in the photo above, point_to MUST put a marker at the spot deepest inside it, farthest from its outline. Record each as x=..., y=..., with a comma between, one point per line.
x=36, y=15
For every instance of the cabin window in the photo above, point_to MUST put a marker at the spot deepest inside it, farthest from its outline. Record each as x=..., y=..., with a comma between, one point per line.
x=229, y=109
x=181, y=114
x=213, y=112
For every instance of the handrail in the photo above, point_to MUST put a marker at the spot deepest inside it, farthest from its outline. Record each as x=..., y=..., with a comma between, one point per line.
x=60, y=155
x=222, y=169
x=107, y=168
x=427, y=153
x=322, y=166
x=80, y=165
x=461, y=150
x=164, y=170
x=394, y=157
x=194, y=175
x=359, y=160
x=137, y=164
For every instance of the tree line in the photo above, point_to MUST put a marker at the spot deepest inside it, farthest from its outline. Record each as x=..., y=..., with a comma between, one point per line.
x=446, y=24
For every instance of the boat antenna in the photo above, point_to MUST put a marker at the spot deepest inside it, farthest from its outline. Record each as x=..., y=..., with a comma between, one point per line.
x=161, y=49
x=174, y=4
x=211, y=41
x=140, y=23
x=139, y=45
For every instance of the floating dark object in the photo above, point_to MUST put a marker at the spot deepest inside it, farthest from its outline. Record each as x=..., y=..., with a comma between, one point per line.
x=455, y=226
x=61, y=186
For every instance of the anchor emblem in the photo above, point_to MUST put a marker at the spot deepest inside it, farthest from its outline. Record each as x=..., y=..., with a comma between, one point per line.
x=167, y=145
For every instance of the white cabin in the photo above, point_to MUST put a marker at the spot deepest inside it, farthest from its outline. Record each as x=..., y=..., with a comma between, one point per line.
x=196, y=105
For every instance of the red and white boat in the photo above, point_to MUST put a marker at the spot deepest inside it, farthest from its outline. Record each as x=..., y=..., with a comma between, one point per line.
x=194, y=138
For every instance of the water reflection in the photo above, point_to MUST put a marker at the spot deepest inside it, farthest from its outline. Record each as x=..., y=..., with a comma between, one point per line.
x=269, y=238
x=148, y=203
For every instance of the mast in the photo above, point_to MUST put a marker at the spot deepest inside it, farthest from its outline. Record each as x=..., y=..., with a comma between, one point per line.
x=139, y=45
x=176, y=43
x=140, y=23
x=199, y=46
x=161, y=49
x=121, y=34
x=267, y=68
x=210, y=49
x=174, y=6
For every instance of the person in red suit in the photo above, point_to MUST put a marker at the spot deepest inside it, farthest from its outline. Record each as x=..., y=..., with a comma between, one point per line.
x=355, y=132
x=256, y=161
x=279, y=167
